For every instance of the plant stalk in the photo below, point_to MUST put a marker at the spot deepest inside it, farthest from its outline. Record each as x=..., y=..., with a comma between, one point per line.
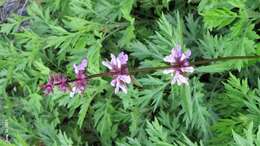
x=201, y=62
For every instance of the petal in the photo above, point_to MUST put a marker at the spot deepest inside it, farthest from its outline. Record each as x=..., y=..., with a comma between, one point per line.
x=187, y=69
x=117, y=89
x=123, y=88
x=169, y=59
x=125, y=78
x=118, y=63
x=173, y=81
x=174, y=52
x=180, y=79
x=123, y=58
x=73, y=92
x=83, y=64
x=188, y=53
x=76, y=70
x=168, y=71
x=183, y=57
x=113, y=60
x=107, y=64
x=114, y=82
x=119, y=83
x=186, y=63
x=178, y=52
x=178, y=47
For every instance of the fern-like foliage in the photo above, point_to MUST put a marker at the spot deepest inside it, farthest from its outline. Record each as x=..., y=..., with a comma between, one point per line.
x=250, y=138
x=213, y=109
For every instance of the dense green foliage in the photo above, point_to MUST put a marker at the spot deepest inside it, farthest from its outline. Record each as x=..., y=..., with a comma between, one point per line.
x=219, y=107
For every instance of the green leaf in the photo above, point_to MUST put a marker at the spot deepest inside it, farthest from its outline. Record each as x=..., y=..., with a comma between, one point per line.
x=237, y=3
x=156, y=133
x=84, y=109
x=155, y=95
x=3, y=143
x=189, y=142
x=250, y=138
x=186, y=100
x=140, y=50
x=214, y=68
x=126, y=7
x=219, y=17
x=33, y=105
x=42, y=68
x=20, y=141
x=82, y=7
x=103, y=121
x=94, y=57
x=64, y=139
x=128, y=36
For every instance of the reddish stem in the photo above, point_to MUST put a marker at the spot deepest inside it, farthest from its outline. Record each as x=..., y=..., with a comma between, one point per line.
x=149, y=69
x=201, y=62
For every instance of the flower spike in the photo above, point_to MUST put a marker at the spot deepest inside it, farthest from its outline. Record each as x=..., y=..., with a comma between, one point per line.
x=55, y=80
x=118, y=69
x=61, y=81
x=81, y=78
x=48, y=87
x=180, y=65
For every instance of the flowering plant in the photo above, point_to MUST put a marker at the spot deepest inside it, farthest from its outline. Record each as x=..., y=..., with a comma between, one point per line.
x=118, y=69
x=129, y=72
x=180, y=65
x=119, y=72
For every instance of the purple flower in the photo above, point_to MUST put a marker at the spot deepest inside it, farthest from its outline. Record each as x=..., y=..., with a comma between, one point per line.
x=48, y=87
x=81, y=78
x=180, y=65
x=55, y=80
x=118, y=69
x=81, y=67
x=61, y=81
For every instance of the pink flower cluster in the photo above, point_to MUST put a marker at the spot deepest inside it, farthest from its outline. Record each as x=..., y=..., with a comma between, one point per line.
x=180, y=65
x=63, y=83
x=56, y=79
x=81, y=78
x=118, y=69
